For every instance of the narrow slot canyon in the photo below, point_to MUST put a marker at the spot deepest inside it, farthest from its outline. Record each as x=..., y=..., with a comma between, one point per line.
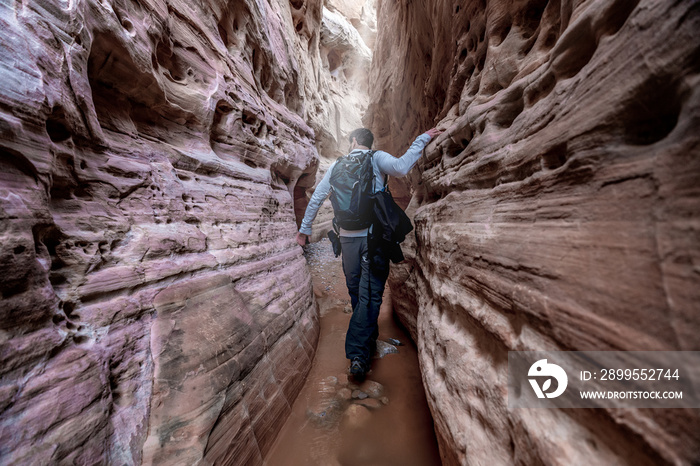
x=335, y=420
x=156, y=161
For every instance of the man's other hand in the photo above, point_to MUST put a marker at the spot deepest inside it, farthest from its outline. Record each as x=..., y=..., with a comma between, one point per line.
x=302, y=239
x=432, y=132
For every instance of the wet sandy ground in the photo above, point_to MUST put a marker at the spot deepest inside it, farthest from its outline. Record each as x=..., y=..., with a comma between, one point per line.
x=330, y=425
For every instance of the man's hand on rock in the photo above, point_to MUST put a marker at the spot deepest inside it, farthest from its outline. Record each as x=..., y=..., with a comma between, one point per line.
x=432, y=132
x=302, y=239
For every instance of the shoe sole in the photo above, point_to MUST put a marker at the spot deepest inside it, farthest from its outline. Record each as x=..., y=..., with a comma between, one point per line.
x=358, y=373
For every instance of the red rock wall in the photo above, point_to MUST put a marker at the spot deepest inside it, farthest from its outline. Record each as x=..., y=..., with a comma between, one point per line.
x=560, y=210
x=154, y=303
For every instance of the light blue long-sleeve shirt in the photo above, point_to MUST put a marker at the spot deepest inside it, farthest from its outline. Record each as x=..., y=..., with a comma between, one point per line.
x=383, y=164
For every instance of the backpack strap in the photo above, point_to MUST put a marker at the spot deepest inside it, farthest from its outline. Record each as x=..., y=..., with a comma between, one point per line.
x=386, y=177
x=386, y=182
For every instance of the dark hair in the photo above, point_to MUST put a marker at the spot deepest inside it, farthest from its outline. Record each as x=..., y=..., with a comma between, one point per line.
x=364, y=137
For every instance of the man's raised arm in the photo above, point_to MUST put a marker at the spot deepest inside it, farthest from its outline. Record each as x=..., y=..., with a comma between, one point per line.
x=401, y=166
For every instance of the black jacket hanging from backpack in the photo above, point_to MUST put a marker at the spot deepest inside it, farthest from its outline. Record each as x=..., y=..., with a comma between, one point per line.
x=390, y=223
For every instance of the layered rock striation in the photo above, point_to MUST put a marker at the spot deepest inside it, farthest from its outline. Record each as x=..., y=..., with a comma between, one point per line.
x=154, y=160
x=559, y=211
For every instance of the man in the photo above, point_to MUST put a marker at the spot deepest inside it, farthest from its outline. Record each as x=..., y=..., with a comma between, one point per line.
x=366, y=268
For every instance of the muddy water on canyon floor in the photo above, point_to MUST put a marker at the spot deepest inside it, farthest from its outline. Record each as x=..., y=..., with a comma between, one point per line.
x=330, y=425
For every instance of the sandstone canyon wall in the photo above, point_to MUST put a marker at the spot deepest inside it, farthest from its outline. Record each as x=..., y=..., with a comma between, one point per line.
x=559, y=211
x=155, y=307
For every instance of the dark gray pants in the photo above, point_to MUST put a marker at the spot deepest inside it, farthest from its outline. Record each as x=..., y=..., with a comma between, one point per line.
x=365, y=276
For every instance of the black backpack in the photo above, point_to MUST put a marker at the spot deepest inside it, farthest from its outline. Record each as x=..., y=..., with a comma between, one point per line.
x=352, y=181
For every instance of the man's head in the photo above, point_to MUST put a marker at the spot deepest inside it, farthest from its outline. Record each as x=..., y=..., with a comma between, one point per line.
x=363, y=136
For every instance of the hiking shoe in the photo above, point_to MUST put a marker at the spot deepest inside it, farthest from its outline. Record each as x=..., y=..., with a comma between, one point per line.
x=357, y=370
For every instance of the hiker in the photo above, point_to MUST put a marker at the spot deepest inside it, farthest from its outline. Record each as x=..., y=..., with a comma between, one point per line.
x=366, y=267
